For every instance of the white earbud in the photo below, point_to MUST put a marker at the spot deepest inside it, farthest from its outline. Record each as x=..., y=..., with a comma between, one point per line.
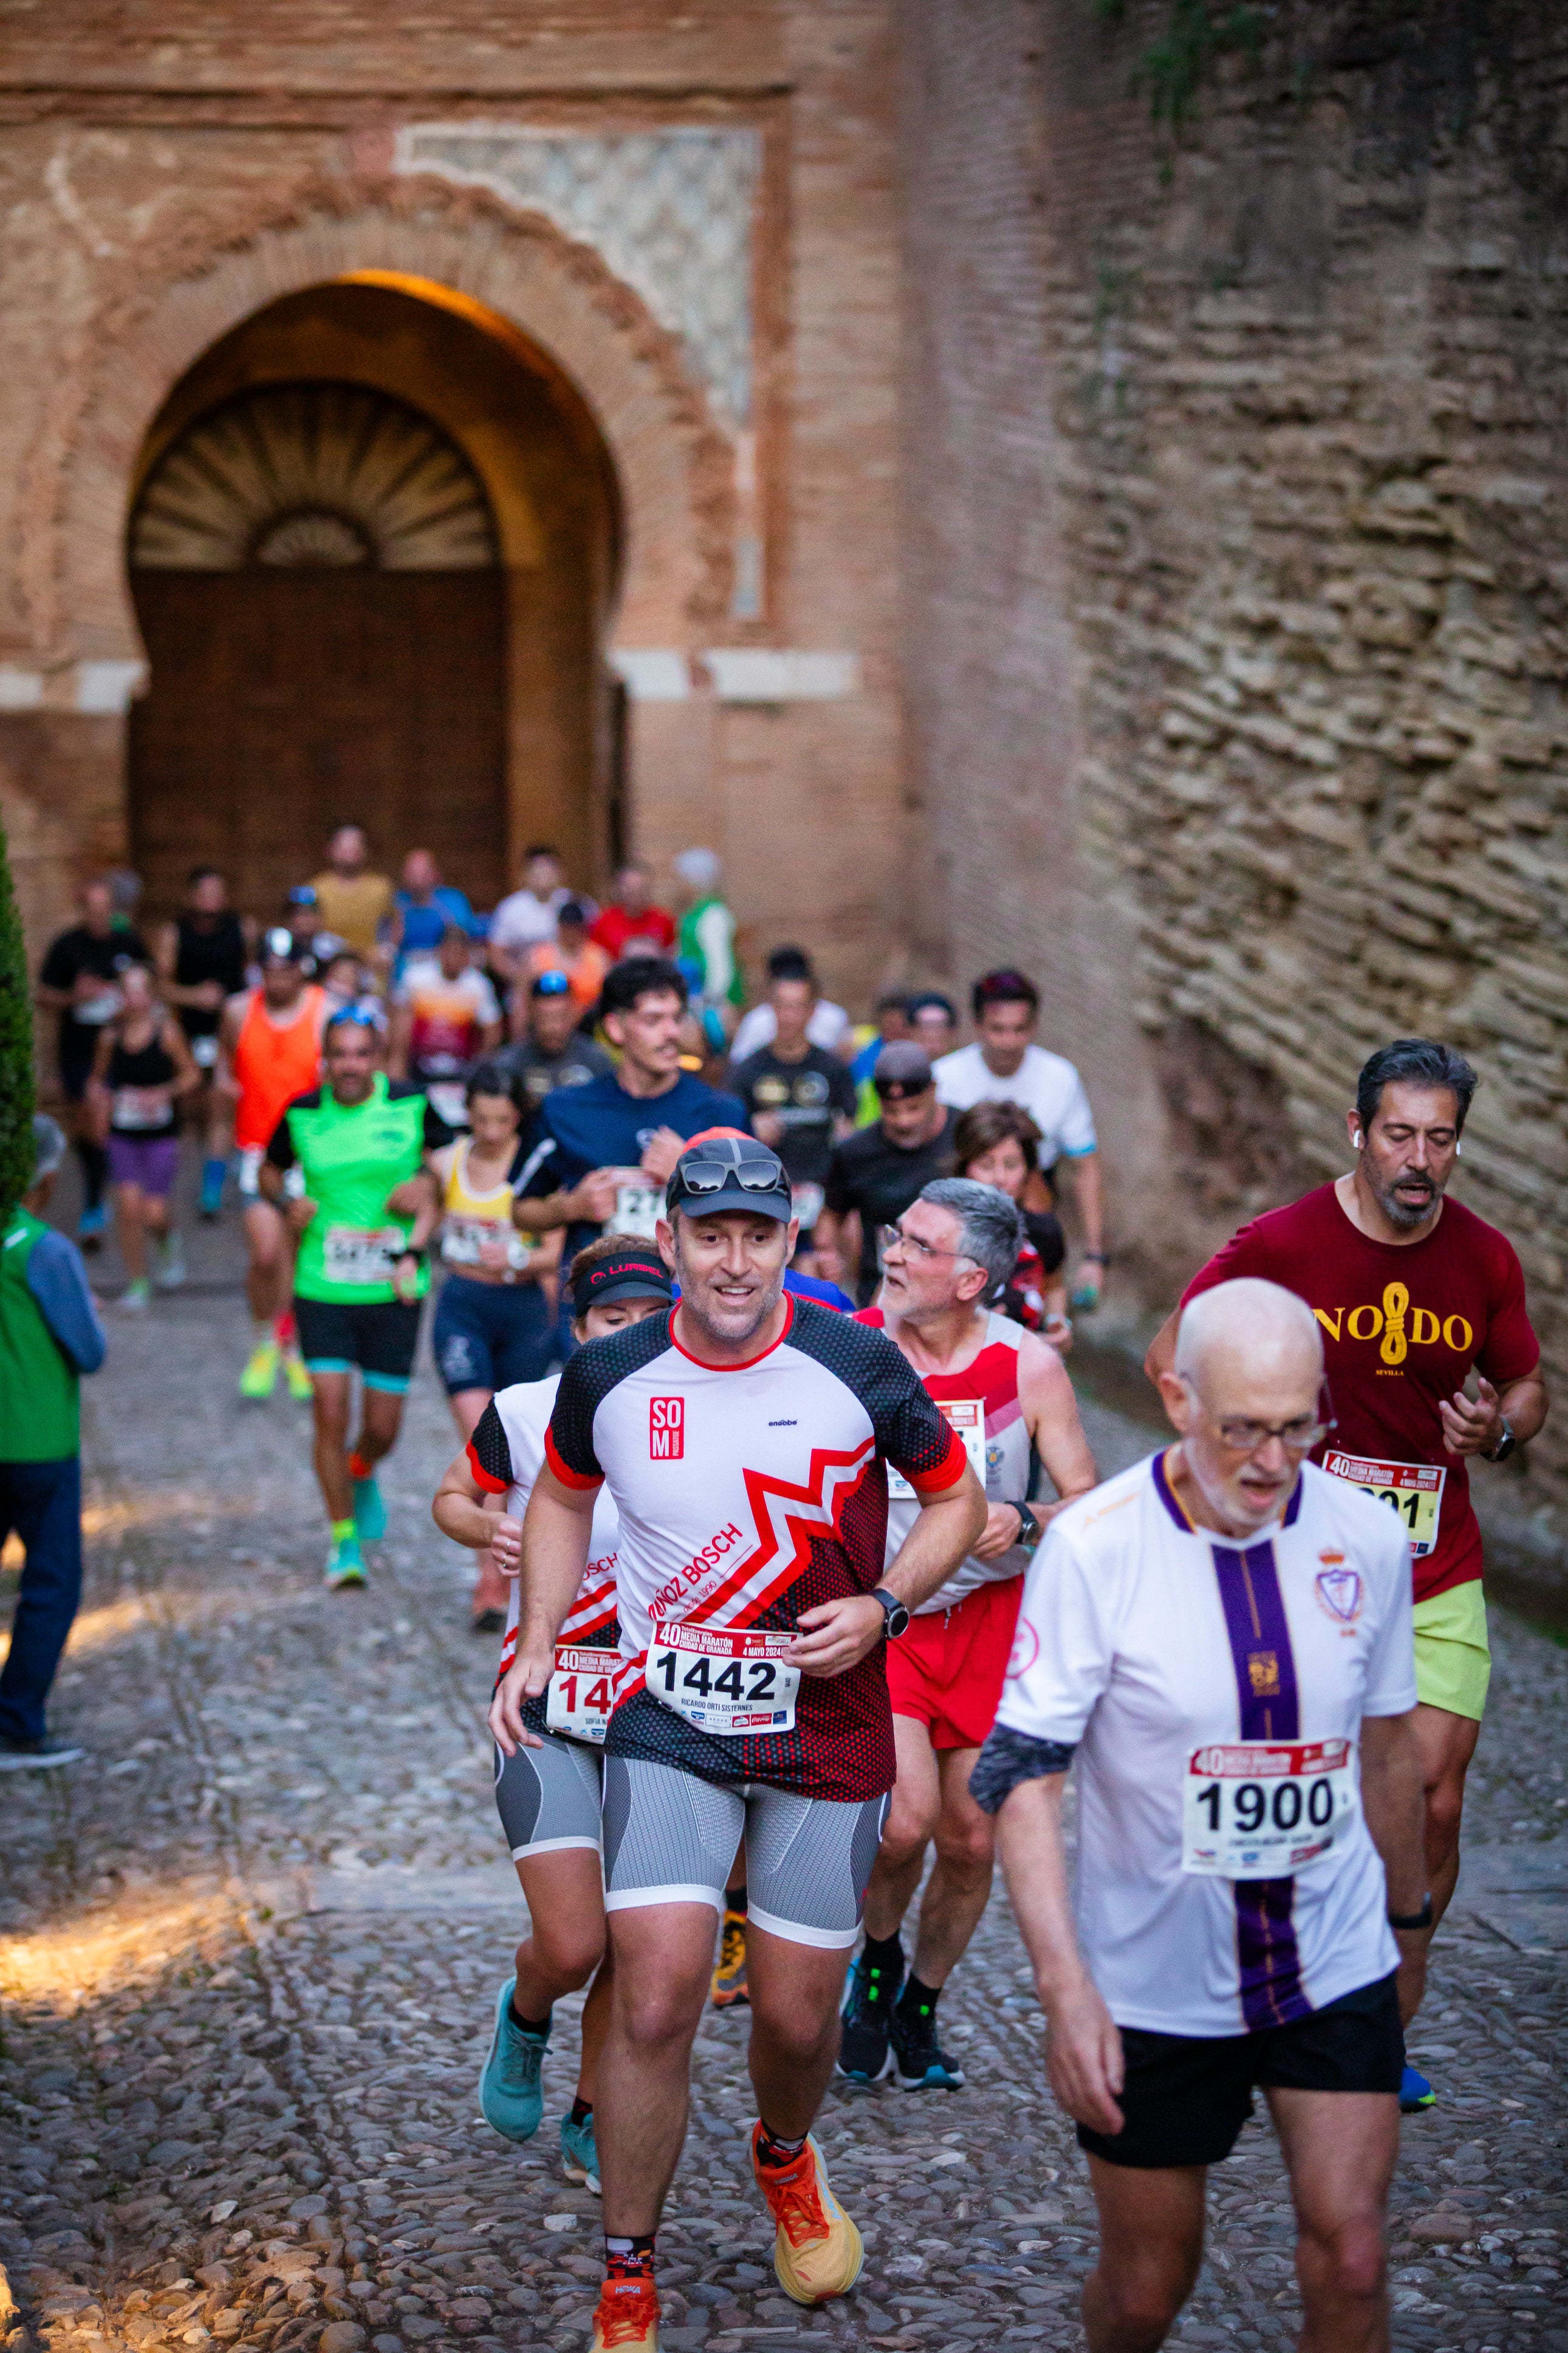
x=1457, y=1149
x=1357, y=1139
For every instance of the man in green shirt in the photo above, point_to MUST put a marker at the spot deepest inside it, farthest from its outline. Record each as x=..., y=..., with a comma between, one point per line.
x=50, y=1335
x=347, y=1164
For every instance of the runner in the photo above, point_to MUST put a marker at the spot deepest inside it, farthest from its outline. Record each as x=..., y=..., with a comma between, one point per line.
x=424, y=909
x=1003, y=1065
x=360, y=1143
x=604, y=1151
x=141, y=1069
x=1222, y=1636
x=799, y=1098
x=706, y=944
x=1412, y=1292
x=876, y=1173
x=528, y=915
x=549, y=1795
x=632, y=924
x=1006, y=1394
x=548, y=1049
x=495, y=1321
x=891, y=1027
x=445, y=1015
x=573, y=953
x=933, y=1022
x=201, y=963
x=742, y=1437
x=78, y=981
x=998, y=1144
x=269, y=1050
x=349, y=899
x=827, y=1025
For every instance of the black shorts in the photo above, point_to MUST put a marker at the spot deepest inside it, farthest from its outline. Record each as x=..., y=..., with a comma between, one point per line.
x=379, y=1336
x=1187, y=2095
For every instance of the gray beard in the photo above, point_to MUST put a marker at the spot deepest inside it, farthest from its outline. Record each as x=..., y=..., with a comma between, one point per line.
x=1401, y=1213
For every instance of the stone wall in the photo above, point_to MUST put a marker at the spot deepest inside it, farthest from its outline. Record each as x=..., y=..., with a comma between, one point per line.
x=1239, y=635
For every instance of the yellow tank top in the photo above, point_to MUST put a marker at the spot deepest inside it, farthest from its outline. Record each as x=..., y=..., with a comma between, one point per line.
x=472, y=1217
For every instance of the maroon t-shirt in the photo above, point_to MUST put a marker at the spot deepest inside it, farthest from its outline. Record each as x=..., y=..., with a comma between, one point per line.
x=1403, y=1322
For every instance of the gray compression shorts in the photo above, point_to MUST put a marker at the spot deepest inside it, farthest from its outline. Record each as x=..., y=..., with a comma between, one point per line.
x=670, y=1838
x=547, y=1798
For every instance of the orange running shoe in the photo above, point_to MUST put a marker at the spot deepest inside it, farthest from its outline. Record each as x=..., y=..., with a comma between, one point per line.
x=817, y=2252
x=729, y=1985
x=627, y=2317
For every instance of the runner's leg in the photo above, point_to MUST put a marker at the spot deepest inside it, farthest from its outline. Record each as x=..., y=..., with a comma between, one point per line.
x=662, y=1955
x=130, y=1233
x=1341, y=2149
x=1446, y=1744
x=912, y=1813
x=795, y=1992
x=331, y=1399
x=492, y=1591
x=565, y=1943
x=1150, y=2244
x=960, y=1886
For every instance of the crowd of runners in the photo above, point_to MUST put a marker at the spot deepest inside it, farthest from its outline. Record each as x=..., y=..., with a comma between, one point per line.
x=756, y=1329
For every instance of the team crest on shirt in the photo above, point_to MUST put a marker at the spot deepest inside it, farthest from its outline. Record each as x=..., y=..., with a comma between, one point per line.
x=1025, y=1649
x=1340, y=1588
x=1263, y=1674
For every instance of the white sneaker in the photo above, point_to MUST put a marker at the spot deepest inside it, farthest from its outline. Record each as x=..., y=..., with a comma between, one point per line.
x=172, y=1271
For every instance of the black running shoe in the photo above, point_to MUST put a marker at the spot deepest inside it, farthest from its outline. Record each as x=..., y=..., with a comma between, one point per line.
x=923, y=2065
x=867, y=2011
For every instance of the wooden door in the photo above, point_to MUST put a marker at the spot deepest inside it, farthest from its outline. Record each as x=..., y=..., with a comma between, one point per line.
x=283, y=702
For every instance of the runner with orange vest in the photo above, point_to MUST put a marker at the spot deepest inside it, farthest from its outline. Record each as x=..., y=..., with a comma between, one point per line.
x=269, y=1050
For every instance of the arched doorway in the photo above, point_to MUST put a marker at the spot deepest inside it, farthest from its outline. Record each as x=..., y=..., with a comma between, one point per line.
x=372, y=549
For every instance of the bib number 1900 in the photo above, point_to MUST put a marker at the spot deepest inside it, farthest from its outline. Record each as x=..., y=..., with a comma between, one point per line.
x=1261, y=1809
x=724, y=1683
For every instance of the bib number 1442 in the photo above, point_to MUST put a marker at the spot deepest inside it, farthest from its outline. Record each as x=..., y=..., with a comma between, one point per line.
x=1261, y=1809
x=723, y=1683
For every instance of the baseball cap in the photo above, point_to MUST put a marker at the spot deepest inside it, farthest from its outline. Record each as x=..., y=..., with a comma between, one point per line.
x=636, y=1272
x=902, y=1069
x=723, y=1169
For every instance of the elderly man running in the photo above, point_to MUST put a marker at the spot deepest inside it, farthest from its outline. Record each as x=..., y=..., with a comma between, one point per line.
x=1222, y=1636
x=1006, y=1393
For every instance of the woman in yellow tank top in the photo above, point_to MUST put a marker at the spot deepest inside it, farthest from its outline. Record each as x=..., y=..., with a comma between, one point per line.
x=495, y=1319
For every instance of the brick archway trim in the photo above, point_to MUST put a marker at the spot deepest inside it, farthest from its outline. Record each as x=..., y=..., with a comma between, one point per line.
x=674, y=466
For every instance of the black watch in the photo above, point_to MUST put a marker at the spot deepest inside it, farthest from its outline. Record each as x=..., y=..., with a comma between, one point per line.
x=1029, y=1529
x=1410, y=1921
x=1507, y=1444
x=895, y=1617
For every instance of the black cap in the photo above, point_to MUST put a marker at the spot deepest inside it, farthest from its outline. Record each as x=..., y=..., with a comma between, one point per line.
x=633, y=1271
x=902, y=1069
x=723, y=1169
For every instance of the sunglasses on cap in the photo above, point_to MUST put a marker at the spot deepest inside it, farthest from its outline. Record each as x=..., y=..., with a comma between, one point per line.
x=700, y=1176
x=352, y=1017
x=551, y=984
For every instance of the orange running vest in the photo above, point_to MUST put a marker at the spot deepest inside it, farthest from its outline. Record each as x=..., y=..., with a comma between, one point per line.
x=271, y=1066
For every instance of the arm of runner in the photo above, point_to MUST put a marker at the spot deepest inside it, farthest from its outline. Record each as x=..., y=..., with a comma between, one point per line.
x=836, y=1635
x=187, y=1076
x=556, y=1533
x=1083, y=2045
x=660, y=1153
x=224, y=1080
x=1087, y=1197
x=458, y=1510
x=1394, y=1805
x=1051, y=1417
x=1475, y=1426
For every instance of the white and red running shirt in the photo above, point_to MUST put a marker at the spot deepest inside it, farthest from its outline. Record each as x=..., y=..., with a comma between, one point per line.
x=746, y=1494
x=1001, y=1449
x=1200, y=1679
x=506, y=1454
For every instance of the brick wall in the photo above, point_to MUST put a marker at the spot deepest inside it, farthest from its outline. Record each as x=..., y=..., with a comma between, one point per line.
x=1238, y=560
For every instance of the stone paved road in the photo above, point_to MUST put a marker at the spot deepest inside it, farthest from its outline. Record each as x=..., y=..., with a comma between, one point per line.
x=251, y=1950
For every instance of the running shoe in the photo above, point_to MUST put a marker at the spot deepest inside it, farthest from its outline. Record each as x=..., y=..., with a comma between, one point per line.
x=864, y=2056
x=259, y=1377
x=20, y=1756
x=344, y=1567
x=171, y=1272
x=370, y=1512
x=298, y=1378
x=922, y=2064
x=627, y=2319
x=212, y=1174
x=136, y=1298
x=91, y=1229
x=1416, y=2092
x=580, y=2154
x=817, y=2252
x=511, y=2090
x=730, y=1974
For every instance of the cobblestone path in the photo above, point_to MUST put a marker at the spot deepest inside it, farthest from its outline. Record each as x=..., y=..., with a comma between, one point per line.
x=251, y=1950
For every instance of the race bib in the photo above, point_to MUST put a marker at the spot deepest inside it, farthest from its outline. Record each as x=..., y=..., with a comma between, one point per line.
x=581, y=1693
x=462, y=1239
x=639, y=1208
x=97, y=1011
x=967, y=1416
x=722, y=1683
x=806, y=1200
x=448, y=1098
x=1414, y=1489
x=250, y=1159
x=139, y=1108
x=352, y=1254
x=1261, y=1809
x=203, y=1052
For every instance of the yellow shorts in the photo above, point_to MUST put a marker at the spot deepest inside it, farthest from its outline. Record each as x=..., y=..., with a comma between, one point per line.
x=1453, y=1658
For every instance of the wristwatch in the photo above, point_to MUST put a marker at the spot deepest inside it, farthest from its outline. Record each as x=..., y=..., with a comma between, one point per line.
x=895, y=1617
x=1507, y=1444
x=1029, y=1529
x=1412, y=1920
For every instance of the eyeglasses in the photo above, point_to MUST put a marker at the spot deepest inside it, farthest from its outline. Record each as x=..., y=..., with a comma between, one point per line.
x=1299, y=1436
x=700, y=1176
x=888, y=1235
x=352, y=1017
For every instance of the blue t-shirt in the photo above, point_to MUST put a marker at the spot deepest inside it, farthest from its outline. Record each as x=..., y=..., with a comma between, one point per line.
x=811, y=1286
x=422, y=926
x=601, y=1127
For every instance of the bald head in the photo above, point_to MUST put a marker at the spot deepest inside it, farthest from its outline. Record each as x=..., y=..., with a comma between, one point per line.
x=1248, y=1333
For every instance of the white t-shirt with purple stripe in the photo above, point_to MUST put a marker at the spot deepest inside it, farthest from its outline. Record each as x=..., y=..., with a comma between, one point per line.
x=1145, y=1641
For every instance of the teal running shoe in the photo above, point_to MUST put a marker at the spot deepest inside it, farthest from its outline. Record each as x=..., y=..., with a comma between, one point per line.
x=511, y=2090
x=370, y=1512
x=864, y=2056
x=579, y=2154
x=922, y=2064
x=1416, y=2092
x=344, y=1567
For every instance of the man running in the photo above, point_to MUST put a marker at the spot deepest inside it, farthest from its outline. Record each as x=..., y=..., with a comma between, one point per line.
x=548, y=1049
x=269, y=1050
x=548, y=1796
x=1412, y=1292
x=350, y=900
x=202, y=957
x=1005, y=1065
x=445, y=1016
x=632, y=924
x=875, y=1174
x=744, y=1438
x=799, y=1097
x=1221, y=1637
x=363, y=1216
x=78, y=981
x=1006, y=1394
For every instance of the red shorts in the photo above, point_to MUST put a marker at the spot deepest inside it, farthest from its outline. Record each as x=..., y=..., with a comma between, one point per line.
x=947, y=1671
